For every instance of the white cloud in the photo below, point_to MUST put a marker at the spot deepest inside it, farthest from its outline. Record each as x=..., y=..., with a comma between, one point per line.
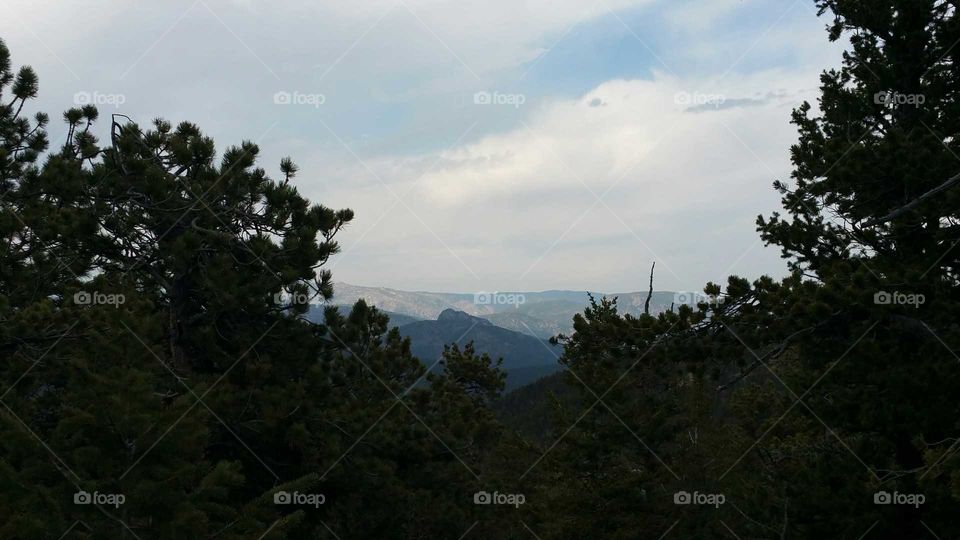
x=486, y=35
x=694, y=16
x=684, y=189
x=510, y=206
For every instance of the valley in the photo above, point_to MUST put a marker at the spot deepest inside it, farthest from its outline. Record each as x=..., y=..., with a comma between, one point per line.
x=517, y=332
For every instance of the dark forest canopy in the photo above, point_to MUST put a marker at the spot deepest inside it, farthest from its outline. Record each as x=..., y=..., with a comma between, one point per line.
x=159, y=382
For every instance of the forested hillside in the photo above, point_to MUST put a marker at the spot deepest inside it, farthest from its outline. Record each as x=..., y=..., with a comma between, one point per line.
x=163, y=376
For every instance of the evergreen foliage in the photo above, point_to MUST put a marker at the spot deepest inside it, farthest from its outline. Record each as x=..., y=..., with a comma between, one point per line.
x=160, y=379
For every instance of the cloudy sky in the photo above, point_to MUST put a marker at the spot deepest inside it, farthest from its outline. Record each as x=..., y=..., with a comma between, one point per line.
x=484, y=144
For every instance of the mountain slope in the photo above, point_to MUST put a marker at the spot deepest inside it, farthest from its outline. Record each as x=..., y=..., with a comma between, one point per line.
x=526, y=324
x=525, y=358
x=422, y=305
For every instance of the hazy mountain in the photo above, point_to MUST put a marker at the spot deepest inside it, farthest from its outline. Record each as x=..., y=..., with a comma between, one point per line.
x=514, y=326
x=525, y=358
x=526, y=324
x=423, y=305
x=539, y=314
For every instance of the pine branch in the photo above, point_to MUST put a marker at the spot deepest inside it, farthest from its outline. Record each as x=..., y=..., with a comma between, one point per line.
x=914, y=203
x=769, y=356
x=646, y=305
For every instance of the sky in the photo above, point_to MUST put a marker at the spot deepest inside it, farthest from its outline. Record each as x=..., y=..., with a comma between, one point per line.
x=484, y=145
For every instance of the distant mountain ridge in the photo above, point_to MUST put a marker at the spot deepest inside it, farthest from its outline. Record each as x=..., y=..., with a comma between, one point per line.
x=525, y=358
x=514, y=326
x=422, y=305
x=540, y=314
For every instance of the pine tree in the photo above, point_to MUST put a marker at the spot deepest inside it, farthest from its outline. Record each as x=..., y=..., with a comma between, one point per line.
x=835, y=384
x=160, y=380
x=874, y=218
